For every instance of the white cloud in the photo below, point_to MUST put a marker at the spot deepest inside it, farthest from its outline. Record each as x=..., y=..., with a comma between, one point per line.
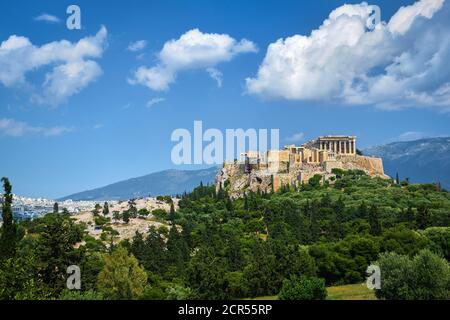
x=296, y=137
x=45, y=17
x=13, y=128
x=137, y=45
x=215, y=75
x=154, y=101
x=72, y=65
x=193, y=50
x=401, y=63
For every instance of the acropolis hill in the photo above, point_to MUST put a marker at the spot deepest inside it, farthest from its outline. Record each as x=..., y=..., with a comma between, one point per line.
x=295, y=165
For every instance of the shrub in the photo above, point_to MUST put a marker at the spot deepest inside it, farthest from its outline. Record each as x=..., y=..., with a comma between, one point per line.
x=159, y=213
x=303, y=288
x=80, y=295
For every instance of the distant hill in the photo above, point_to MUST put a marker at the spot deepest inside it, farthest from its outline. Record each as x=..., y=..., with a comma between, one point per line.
x=422, y=161
x=167, y=182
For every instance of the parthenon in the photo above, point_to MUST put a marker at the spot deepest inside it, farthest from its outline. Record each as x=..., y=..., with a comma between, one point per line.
x=337, y=144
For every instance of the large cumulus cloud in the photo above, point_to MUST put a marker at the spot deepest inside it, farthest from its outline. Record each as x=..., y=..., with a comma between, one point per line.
x=399, y=63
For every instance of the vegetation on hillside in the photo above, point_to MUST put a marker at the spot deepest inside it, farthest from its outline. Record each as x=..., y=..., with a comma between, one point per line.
x=213, y=247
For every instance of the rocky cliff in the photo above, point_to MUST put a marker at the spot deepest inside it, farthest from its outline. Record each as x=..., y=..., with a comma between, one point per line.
x=236, y=179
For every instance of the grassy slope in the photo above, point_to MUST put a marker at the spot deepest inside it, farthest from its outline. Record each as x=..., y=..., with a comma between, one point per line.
x=346, y=292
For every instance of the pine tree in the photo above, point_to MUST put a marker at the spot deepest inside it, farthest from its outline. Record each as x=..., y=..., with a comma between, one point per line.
x=8, y=237
x=55, y=207
x=126, y=216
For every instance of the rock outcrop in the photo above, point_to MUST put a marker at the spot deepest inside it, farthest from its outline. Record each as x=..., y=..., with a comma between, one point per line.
x=237, y=179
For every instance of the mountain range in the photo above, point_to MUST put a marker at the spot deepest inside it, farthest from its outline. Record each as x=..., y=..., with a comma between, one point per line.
x=421, y=161
x=167, y=182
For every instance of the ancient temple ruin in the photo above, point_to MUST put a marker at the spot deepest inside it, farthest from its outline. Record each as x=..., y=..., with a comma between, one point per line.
x=294, y=165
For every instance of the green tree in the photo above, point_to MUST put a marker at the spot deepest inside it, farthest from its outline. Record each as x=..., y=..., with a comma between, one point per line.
x=143, y=212
x=440, y=240
x=96, y=210
x=116, y=216
x=126, y=216
x=425, y=277
x=171, y=216
x=80, y=295
x=178, y=292
x=303, y=288
x=18, y=280
x=314, y=182
x=8, y=239
x=55, y=207
x=121, y=277
x=105, y=209
x=177, y=250
x=132, y=210
x=205, y=275
x=56, y=251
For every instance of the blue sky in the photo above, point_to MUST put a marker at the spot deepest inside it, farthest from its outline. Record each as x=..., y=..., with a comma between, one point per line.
x=105, y=129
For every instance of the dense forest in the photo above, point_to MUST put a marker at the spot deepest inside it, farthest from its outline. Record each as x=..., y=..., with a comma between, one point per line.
x=290, y=243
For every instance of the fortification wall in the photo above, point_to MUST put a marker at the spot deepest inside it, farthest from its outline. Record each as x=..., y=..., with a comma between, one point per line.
x=373, y=166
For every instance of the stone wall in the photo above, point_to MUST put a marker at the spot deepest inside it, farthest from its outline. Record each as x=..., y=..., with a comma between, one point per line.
x=371, y=165
x=234, y=178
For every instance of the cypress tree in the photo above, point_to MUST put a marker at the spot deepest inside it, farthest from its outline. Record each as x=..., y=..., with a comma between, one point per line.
x=171, y=216
x=8, y=237
x=245, y=203
x=105, y=209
